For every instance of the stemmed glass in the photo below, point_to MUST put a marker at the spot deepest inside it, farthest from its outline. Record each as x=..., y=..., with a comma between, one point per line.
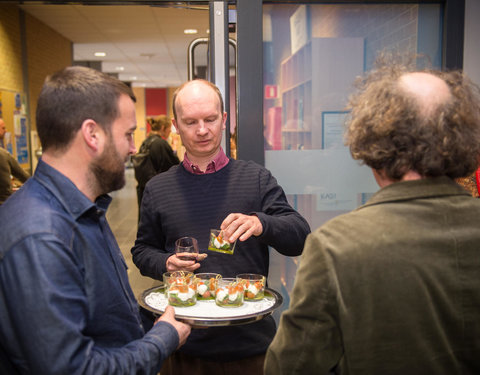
x=186, y=248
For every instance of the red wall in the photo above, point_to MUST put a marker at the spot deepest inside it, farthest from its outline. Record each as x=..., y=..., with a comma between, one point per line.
x=155, y=102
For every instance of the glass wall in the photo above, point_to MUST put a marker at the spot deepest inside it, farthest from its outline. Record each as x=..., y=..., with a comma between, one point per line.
x=312, y=54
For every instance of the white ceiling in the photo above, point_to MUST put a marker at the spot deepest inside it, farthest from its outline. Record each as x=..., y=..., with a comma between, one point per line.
x=148, y=42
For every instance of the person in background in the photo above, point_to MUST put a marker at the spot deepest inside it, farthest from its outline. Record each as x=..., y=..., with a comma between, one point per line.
x=165, y=127
x=393, y=287
x=208, y=191
x=160, y=153
x=471, y=183
x=8, y=167
x=66, y=306
x=3, y=130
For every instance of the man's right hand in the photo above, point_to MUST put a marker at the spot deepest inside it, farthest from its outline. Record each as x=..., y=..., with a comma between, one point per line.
x=183, y=329
x=176, y=264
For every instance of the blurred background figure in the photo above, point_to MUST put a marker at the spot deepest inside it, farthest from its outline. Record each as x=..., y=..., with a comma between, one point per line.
x=9, y=168
x=471, y=183
x=3, y=130
x=155, y=154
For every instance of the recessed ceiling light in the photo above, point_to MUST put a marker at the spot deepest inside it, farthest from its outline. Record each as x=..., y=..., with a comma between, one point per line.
x=120, y=68
x=190, y=31
x=100, y=54
x=133, y=78
x=147, y=56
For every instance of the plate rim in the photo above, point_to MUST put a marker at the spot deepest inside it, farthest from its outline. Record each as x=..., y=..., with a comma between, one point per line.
x=202, y=321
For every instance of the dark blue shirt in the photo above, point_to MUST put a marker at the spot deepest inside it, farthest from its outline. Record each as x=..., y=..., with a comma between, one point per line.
x=178, y=203
x=66, y=306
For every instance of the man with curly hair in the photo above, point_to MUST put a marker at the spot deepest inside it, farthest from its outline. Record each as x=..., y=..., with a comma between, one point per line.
x=393, y=287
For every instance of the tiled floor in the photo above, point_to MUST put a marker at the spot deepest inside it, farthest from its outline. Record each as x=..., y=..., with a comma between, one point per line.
x=122, y=216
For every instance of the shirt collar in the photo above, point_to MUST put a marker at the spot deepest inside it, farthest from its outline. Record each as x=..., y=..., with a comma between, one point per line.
x=218, y=162
x=423, y=188
x=72, y=199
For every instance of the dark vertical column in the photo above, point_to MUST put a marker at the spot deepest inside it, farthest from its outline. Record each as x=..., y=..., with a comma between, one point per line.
x=250, y=81
x=453, y=34
x=219, y=59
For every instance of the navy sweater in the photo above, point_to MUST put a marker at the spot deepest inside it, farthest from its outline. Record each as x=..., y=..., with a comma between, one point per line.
x=177, y=204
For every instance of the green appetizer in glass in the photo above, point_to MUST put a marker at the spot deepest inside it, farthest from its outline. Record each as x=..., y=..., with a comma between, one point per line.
x=207, y=284
x=254, y=286
x=181, y=289
x=220, y=244
x=230, y=293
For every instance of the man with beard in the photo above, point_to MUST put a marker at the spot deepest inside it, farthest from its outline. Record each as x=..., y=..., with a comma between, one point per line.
x=66, y=306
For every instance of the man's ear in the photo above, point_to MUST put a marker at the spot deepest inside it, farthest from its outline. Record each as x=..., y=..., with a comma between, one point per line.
x=174, y=123
x=91, y=133
x=224, y=120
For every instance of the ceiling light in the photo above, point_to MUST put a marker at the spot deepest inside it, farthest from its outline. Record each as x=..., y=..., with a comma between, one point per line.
x=190, y=31
x=148, y=56
x=133, y=78
x=120, y=68
x=100, y=54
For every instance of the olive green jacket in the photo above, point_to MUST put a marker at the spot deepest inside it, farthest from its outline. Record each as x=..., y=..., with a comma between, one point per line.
x=392, y=287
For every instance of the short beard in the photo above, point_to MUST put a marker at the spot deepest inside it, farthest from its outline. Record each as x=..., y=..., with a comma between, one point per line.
x=108, y=169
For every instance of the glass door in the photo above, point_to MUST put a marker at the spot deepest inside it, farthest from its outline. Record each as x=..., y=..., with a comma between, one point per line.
x=312, y=55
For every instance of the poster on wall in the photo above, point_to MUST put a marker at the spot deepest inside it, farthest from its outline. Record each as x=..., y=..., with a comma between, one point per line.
x=333, y=129
x=298, y=29
x=7, y=142
x=20, y=127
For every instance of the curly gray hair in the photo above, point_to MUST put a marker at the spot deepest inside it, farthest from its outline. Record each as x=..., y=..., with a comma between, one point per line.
x=389, y=129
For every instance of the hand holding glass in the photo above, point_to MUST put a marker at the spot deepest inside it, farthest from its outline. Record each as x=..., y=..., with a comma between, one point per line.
x=186, y=248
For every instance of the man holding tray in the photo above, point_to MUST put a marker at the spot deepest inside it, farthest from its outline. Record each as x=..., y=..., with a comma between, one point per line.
x=66, y=306
x=210, y=191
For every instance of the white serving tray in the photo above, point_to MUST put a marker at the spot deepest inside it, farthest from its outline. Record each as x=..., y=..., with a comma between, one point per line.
x=208, y=314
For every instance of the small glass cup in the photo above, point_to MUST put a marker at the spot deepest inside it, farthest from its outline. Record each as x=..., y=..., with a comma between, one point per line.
x=186, y=248
x=180, y=288
x=207, y=284
x=229, y=293
x=218, y=243
x=165, y=277
x=254, y=285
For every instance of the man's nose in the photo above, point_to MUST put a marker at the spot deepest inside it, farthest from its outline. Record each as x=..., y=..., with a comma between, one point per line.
x=202, y=128
x=133, y=149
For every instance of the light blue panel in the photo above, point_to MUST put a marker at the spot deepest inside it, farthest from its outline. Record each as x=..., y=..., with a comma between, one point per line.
x=430, y=24
x=332, y=175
